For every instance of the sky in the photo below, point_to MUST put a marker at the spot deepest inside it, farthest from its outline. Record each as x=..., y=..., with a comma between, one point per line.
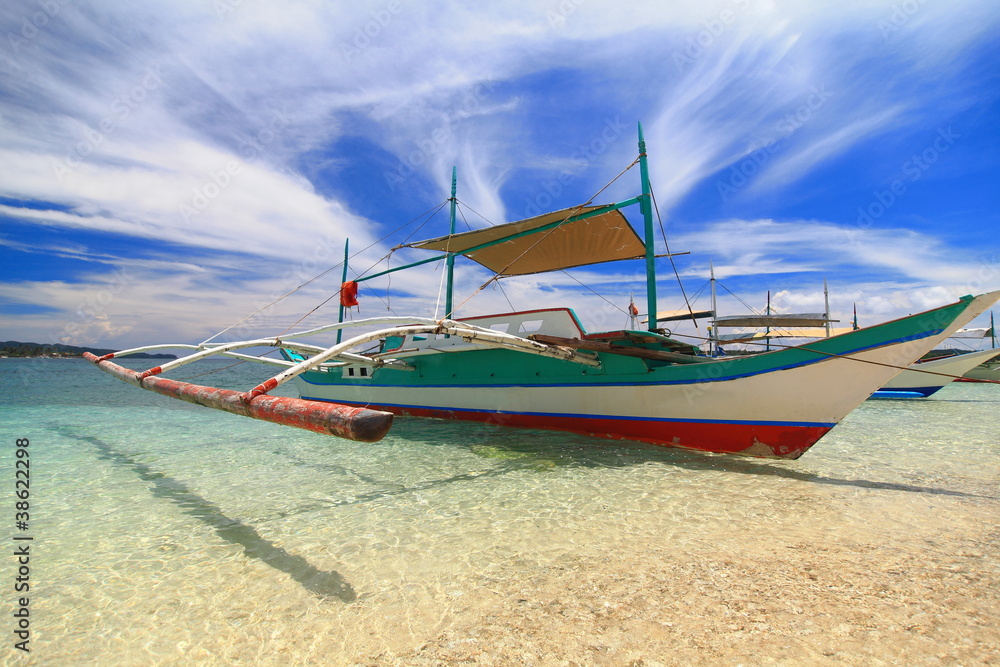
x=168, y=170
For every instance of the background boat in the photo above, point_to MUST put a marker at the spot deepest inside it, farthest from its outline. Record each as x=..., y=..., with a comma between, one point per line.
x=924, y=378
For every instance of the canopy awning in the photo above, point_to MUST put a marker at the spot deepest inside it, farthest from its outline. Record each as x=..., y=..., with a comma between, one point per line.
x=811, y=332
x=801, y=320
x=675, y=315
x=972, y=333
x=528, y=246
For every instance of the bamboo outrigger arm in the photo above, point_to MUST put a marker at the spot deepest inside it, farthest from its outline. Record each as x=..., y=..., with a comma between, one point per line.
x=352, y=423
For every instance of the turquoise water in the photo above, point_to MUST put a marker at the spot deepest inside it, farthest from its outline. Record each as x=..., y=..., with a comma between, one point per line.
x=166, y=533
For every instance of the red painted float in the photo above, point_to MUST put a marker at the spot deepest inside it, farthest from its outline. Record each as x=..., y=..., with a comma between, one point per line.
x=352, y=423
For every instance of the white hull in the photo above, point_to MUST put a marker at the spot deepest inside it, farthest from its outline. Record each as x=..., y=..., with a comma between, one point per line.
x=926, y=377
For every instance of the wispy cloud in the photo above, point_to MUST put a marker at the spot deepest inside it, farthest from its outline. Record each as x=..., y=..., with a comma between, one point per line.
x=225, y=140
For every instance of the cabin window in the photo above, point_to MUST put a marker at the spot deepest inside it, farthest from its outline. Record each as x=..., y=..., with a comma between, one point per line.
x=531, y=325
x=500, y=326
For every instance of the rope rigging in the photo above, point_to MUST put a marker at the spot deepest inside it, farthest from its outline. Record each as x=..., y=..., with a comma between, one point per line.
x=424, y=218
x=430, y=214
x=673, y=265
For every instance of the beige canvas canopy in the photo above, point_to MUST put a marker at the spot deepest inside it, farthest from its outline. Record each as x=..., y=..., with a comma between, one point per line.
x=530, y=247
x=791, y=320
x=810, y=332
x=675, y=315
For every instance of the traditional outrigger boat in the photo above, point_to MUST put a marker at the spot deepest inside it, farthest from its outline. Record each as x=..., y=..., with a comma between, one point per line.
x=926, y=377
x=921, y=379
x=542, y=369
x=989, y=371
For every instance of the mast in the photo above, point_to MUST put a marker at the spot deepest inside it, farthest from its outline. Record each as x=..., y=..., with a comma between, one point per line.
x=767, y=330
x=343, y=279
x=826, y=298
x=715, y=313
x=646, y=204
x=451, y=257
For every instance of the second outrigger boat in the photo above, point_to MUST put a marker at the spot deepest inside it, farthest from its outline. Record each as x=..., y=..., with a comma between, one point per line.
x=542, y=369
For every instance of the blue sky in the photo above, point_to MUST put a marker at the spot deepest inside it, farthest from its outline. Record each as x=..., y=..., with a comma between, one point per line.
x=169, y=168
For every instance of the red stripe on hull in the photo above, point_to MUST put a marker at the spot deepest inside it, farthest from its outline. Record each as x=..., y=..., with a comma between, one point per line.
x=760, y=440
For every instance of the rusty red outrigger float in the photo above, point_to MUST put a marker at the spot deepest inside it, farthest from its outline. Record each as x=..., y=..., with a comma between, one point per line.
x=343, y=421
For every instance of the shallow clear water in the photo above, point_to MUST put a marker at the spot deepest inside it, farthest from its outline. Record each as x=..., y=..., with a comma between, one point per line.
x=165, y=533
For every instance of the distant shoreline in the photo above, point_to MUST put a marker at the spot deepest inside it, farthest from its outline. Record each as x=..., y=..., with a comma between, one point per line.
x=80, y=356
x=13, y=349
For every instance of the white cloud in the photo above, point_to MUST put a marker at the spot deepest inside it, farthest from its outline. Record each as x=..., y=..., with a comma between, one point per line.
x=189, y=124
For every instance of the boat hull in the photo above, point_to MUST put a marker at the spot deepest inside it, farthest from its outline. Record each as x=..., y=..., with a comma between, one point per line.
x=986, y=373
x=777, y=440
x=925, y=378
x=776, y=404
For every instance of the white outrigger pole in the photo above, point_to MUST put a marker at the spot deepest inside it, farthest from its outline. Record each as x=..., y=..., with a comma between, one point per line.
x=343, y=421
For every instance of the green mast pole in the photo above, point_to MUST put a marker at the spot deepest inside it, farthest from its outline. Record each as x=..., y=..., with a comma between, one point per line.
x=451, y=257
x=343, y=279
x=647, y=215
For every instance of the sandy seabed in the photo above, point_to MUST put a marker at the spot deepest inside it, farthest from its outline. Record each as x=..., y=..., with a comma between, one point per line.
x=827, y=575
x=181, y=537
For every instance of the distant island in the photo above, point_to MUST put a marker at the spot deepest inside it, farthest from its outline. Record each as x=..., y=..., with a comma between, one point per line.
x=13, y=349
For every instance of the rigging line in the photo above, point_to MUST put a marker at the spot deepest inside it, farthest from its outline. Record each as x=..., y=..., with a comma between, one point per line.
x=574, y=211
x=504, y=292
x=430, y=214
x=697, y=295
x=737, y=297
x=462, y=213
x=673, y=265
x=191, y=377
x=497, y=275
x=317, y=307
x=492, y=224
x=594, y=292
x=263, y=308
x=431, y=211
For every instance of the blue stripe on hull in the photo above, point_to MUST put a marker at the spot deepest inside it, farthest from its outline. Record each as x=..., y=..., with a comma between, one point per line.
x=906, y=392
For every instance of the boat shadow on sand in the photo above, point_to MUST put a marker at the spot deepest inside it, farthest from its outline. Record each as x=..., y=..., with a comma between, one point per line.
x=526, y=448
x=325, y=584
x=508, y=450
